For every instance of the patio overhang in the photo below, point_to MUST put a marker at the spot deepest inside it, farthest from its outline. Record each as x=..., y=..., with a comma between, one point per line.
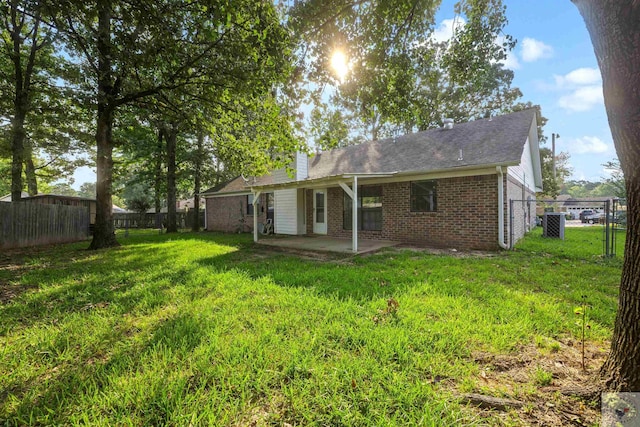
x=337, y=180
x=333, y=180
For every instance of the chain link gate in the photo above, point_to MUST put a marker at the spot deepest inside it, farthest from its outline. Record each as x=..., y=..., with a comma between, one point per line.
x=612, y=216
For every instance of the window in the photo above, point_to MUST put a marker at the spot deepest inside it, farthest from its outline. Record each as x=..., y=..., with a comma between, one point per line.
x=423, y=196
x=319, y=206
x=369, y=209
x=250, y=204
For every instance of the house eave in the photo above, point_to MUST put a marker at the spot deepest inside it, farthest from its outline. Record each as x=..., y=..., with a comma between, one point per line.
x=486, y=169
x=226, y=194
x=387, y=176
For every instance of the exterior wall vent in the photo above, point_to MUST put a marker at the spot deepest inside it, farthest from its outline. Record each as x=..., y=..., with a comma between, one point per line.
x=448, y=123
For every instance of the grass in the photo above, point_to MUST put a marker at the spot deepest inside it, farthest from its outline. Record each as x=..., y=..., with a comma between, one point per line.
x=209, y=329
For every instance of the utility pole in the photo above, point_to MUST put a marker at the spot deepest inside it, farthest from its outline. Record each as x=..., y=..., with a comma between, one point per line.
x=553, y=152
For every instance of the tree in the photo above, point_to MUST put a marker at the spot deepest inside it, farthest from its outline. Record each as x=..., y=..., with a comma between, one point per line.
x=62, y=189
x=615, y=34
x=615, y=180
x=399, y=77
x=87, y=190
x=330, y=128
x=198, y=160
x=5, y=170
x=23, y=45
x=135, y=50
x=551, y=186
x=42, y=127
x=137, y=197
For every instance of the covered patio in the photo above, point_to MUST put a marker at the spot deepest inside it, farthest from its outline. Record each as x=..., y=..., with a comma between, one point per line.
x=325, y=244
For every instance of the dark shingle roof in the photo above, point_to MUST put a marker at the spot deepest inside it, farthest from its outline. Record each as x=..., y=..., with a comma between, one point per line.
x=499, y=140
x=494, y=141
x=238, y=184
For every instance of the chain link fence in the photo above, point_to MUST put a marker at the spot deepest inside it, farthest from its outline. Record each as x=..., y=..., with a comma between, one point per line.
x=607, y=216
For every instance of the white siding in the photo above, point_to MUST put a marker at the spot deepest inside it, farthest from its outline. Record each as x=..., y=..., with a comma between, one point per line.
x=523, y=173
x=286, y=212
x=300, y=170
x=280, y=176
x=301, y=165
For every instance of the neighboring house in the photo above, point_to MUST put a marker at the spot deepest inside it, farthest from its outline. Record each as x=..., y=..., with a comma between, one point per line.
x=57, y=199
x=575, y=205
x=7, y=198
x=449, y=187
x=63, y=200
x=181, y=206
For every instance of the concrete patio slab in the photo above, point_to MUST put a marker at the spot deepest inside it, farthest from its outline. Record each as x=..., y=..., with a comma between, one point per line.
x=325, y=244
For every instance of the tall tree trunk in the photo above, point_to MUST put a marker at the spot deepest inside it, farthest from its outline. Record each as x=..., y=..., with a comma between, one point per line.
x=615, y=34
x=172, y=136
x=157, y=190
x=20, y=104
x=22, y=87
x=104, y=233
x=30, y=171
x=17, y=150
x=196, y=181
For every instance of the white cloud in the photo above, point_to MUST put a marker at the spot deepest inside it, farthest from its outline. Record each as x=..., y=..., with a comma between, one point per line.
x=445, y=30
x=511, y=62
x=582, y=99
x=533, y=50
x=582, y=89
x=579, y=77
x=588, y=145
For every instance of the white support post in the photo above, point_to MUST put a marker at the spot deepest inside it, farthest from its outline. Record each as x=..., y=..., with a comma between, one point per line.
x=256, y=195
x=354, y=214
x=346, y=189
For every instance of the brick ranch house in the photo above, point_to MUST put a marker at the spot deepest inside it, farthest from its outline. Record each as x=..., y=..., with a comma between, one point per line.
x=448, y=187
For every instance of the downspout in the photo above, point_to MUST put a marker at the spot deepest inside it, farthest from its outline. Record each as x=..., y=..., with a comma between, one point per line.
x=501, y=241
x=354, y=214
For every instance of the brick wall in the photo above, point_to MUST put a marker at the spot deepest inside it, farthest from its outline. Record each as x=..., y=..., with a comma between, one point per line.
x=229, y=214
x=466, y=216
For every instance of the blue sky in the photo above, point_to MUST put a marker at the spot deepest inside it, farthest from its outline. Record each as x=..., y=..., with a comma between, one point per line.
x=554, y=67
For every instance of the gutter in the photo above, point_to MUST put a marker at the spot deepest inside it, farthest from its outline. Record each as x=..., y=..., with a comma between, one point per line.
x=501, y=241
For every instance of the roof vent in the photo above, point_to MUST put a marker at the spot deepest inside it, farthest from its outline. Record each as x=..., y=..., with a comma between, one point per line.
x=448, y=123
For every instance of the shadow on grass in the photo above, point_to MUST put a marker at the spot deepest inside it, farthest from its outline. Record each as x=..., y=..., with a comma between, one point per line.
x=53, y=400
x=153, y=275
x=139, y=275
x=334, y=275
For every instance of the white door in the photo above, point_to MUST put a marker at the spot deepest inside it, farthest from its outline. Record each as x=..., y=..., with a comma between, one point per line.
x=320, y=211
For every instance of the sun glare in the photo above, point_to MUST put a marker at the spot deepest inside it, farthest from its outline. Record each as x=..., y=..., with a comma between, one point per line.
x=339, y=64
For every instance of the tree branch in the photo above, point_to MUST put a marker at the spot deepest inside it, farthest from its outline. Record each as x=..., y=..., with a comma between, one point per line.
x=82, y=43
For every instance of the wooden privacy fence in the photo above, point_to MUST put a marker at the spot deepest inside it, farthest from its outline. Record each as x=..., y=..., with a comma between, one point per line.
x=154, y=220
x=29, y=224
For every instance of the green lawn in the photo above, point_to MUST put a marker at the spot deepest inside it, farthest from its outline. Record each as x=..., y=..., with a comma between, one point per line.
x=209, y=329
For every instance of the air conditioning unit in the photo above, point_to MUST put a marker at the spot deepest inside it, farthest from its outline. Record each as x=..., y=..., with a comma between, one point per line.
x=553, y=225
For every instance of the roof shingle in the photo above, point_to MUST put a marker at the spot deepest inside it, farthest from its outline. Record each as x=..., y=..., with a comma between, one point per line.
x=493, y=141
